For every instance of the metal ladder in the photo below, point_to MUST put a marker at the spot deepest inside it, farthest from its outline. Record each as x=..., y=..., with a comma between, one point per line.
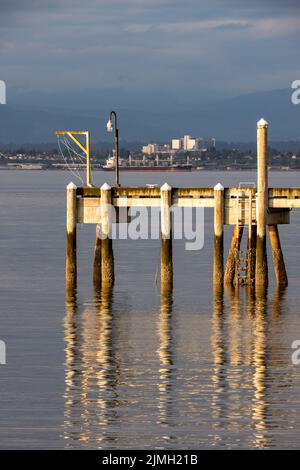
x=244, y=219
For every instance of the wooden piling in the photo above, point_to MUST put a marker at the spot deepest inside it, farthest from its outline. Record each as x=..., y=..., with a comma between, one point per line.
x=165, y=330
x=251, y=254
x=232, y=255
x=107, y=257
x=218, y=271
x=71, y=258
x=261, y=268
x=278, y=261
x=97, y=257
x=166, y=235
x=251, y=245
x=217, y=337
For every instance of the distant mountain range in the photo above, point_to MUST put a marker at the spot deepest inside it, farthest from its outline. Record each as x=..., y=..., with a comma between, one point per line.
x=33, y=119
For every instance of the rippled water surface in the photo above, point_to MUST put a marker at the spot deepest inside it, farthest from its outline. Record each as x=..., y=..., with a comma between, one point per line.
x=133, y=367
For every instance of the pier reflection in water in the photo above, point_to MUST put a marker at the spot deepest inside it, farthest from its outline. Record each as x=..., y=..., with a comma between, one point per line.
x=166, y=368
x=92, y=371
x=208, y=373
x=246, y=383
x=234, y=398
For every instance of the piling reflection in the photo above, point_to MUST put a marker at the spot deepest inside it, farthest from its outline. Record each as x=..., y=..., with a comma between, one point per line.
x=242, y=375
x=218, y=405
x=71, y=340
x=260, y=370
x=235, y=331
x=279, y=300
x=218, y=328
x=232, y=397
x=165, y=355
x=91, y=398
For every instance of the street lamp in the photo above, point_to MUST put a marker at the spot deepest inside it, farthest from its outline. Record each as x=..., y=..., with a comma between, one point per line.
x=111, y=125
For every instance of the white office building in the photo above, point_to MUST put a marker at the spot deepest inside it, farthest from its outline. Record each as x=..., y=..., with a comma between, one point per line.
x=176, y=144
x=186, y=143
x=189, y=143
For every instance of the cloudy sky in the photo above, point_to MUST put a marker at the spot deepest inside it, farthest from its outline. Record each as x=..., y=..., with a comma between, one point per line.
x=186, y=47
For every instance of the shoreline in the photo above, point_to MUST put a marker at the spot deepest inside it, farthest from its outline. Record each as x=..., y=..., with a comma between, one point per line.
x=283, y=170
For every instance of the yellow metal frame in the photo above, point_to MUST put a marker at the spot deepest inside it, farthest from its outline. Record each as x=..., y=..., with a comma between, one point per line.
x=85, y=149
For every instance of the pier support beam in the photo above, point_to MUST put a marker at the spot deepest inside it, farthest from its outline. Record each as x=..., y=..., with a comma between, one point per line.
x=261, y=268
x=107, y=257
x=278, y=261
x=166, y=236
x=218, y=272
x=71, y=258
x=233, y=254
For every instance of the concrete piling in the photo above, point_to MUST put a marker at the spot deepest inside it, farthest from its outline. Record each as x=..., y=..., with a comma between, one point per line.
x=278, y=261
x=71, y=257
x=107, y=257
x=218, y=270
x=166, y=235
x=261, y=268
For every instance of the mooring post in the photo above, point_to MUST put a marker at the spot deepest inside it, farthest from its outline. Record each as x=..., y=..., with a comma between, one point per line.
x=218, y=273
x=232, y=255
x=71, y=264
x=166, y=235
x=278, y=261
x=107, y=258
x=261, y=268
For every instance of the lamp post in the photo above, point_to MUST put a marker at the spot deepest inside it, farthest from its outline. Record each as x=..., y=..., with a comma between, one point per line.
x=113, y=124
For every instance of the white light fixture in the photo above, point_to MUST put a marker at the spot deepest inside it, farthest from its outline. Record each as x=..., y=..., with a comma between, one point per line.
x=109, y=126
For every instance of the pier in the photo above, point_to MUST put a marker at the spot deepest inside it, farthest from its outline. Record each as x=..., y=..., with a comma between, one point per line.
x=254, y=211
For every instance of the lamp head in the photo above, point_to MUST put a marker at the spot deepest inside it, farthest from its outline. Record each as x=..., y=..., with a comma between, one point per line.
x=109, y=126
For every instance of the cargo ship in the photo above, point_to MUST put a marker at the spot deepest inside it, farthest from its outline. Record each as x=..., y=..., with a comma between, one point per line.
x=145, y=165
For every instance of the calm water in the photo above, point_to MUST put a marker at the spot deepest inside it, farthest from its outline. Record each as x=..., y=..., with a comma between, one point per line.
x=130, y=368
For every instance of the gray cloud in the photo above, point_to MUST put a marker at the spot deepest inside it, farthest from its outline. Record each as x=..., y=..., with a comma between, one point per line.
x=185, y=48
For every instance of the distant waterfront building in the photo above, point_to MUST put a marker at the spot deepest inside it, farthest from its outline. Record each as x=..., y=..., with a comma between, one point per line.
x=150, y=149
x=176, y=144
x=165, y=148
x=207, y=143
x=189, y=144
x=186, y=143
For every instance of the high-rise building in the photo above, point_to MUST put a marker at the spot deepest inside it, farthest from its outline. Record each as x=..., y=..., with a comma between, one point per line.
x=186, y=143
x=189, y=143
x=176, y=144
